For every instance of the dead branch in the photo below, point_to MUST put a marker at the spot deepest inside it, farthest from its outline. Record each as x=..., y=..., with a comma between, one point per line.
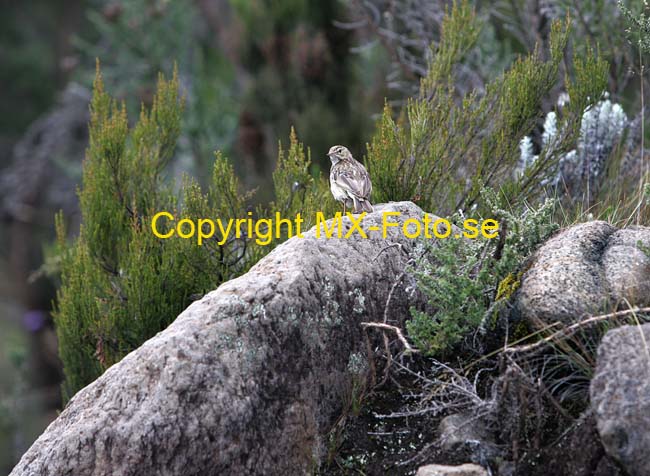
x=572, y=329
x=396, y=330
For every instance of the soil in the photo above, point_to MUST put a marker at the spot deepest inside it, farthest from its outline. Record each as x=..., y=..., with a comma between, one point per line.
x=372, y=444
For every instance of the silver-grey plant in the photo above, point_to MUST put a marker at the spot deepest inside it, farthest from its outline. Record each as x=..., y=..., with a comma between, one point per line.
x=580, y=171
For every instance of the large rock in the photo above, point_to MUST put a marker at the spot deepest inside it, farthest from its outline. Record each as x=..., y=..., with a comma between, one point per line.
x=620, y=396
x=466, y=436
x=441, y=470
x=249, y=379
x=578, y=452
x=40, y=180
x=627, y=266
x=584, y=270
x=46, y=162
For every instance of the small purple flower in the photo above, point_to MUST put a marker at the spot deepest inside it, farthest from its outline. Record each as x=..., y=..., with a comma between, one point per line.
x=34, y=320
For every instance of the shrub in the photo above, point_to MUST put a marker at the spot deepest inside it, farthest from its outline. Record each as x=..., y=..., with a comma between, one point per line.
x=598, y=173
x=446, y=146
x=120, y=284
x=466, y=281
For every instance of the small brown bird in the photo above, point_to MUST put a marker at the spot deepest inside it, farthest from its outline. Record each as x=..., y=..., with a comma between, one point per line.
x=349, y=180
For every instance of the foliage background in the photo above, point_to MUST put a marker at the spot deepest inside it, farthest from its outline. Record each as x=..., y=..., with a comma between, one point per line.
x=249, y=71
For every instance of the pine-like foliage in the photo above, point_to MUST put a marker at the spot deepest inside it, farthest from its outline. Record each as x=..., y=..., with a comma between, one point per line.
x=120, y=284
x=296, y=190
x=448, y=151
x=116, y=289
x=444, y=148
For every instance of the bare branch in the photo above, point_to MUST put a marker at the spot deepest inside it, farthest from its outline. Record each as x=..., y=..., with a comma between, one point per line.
x=397, y=330
x=571, y=330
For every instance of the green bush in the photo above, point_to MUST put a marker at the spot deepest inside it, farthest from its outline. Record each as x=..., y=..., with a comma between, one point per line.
x=446, y=146
x=466, y=281
x=120, y=284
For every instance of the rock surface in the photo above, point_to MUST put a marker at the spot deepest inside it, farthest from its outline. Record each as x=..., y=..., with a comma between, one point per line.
x=249, y=379
x=627, y=267
x=579, y=452
x=467, y=437
x=585, y=270
x=620, y=396
x=441, y=470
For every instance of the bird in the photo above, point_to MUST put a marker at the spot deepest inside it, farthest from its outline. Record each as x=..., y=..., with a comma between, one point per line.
x=349, y=180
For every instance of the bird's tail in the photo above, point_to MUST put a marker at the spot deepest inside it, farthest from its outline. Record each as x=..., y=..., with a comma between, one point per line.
x=362, y=205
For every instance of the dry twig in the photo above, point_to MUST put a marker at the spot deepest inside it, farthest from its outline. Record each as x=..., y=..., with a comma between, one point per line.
x=397, y=330
x=572, y=329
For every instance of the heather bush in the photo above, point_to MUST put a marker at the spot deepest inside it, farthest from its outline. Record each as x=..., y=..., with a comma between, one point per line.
x=442, y=150
x=120, y=284
x=449, y=154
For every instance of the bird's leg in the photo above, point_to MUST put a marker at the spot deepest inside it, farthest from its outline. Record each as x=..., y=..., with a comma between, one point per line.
x=343, y=207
